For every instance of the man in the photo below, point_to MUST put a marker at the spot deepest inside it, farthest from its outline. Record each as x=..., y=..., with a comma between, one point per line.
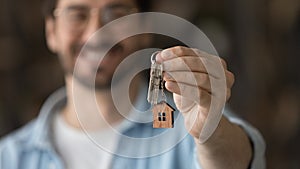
x=68, y=132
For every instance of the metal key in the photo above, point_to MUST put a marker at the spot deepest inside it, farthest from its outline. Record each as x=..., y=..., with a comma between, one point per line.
x=163, y=116
x=156, y=80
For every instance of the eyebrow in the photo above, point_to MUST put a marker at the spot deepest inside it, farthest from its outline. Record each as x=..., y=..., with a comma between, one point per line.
x=109, y=6
x=118, y=5
x=77, y=7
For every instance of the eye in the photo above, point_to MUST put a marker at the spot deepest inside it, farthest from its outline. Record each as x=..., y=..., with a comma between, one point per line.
x=77, y=15
x=113, y=13
x=117, y=13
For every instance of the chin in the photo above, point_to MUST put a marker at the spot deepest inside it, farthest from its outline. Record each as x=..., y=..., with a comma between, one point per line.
x=92, y=83
x=103, y=79
x=99, y=83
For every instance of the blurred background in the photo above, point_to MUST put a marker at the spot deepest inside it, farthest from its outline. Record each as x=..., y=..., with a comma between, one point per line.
x=260, y=40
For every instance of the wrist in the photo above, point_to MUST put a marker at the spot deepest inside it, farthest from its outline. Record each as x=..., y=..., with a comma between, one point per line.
x=219, y=137
x=228, y=147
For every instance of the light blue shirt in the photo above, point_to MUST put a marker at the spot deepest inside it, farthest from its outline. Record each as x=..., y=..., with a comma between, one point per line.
x=31, y=147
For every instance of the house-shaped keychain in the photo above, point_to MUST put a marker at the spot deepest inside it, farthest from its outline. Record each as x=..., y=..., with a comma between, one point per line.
x=163, y=116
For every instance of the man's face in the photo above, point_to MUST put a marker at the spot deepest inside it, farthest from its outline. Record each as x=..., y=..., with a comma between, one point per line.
x=74, y=24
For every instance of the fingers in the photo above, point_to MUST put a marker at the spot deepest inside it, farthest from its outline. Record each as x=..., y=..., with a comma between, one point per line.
x=202, y=80
x=189, y=92
x=191, y=73
x=229, y=78
x=187, y=59
x=200, y=83
x=224, y=64
x=186, y=63
x=175, y=52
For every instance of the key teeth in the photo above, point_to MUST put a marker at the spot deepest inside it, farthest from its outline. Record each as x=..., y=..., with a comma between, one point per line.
x=152, y=98
x=156, y=81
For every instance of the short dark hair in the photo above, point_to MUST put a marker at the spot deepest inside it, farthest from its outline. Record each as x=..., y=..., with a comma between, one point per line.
x=50, y=5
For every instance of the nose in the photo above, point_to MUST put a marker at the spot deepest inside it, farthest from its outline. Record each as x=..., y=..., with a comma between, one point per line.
x=93, y=26
x=97, y=38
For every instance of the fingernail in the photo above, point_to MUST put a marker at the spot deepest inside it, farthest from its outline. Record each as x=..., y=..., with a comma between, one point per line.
x=167, y=76
x=166, y=54
x=158, y=58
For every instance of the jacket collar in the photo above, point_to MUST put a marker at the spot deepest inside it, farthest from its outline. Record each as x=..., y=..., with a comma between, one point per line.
x=42, y=129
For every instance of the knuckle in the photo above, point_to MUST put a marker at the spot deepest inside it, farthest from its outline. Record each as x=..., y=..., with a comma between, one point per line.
x=196, y=51
x=206, y=78
x=231, y=77
x=179, y=50
x=223, y=62
x=203, y=79
x=228, y=94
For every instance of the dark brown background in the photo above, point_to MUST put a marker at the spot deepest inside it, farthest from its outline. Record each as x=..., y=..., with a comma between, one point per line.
x=260, y=39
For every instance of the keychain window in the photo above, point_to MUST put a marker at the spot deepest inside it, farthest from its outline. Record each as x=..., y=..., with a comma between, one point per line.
x=161, y=116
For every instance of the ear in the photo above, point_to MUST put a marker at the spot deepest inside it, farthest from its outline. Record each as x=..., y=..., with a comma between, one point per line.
x=50, y=33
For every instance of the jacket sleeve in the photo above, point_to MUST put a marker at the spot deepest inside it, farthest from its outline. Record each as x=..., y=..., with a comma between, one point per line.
x=257, y=141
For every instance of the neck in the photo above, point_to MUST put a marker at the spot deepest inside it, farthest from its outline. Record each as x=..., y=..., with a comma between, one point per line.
x=94, y=109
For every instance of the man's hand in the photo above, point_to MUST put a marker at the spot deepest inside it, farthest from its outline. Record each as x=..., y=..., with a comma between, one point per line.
x=200, y=82
x=187, y=77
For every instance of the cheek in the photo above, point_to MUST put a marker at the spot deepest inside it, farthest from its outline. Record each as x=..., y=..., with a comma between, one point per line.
x=66, y=38
x=67, y=50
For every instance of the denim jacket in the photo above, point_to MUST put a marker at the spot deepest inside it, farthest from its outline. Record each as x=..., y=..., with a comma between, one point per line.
x=31, y=146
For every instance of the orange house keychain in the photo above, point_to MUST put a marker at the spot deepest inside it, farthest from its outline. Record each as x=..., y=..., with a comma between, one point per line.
x=162, y=111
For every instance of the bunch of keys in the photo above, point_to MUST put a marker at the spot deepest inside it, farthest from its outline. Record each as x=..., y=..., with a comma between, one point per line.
x=162, y=111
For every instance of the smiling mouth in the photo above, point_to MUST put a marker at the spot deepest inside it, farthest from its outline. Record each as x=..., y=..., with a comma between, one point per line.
x=98, y=59
x=96, y=53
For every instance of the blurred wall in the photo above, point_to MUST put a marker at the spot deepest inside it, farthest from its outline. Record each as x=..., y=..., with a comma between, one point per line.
x=28, y=71
x=260, y=39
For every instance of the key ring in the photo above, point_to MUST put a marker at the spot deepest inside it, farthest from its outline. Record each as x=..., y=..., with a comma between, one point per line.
x=153, y=57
